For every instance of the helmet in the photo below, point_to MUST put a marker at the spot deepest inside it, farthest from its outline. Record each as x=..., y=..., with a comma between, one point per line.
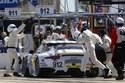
x=84, y=27
x=63, y=25
x=120, y=20
x=102, y=32
x=11, y=27
x=58, y=27
x=52, y=26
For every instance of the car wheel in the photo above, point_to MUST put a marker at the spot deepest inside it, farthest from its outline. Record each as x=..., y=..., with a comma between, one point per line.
x=93, y=72
x=76, y=73
x=25, y=69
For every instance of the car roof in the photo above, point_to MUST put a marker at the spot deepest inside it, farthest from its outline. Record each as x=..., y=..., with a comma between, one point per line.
x=59, y=41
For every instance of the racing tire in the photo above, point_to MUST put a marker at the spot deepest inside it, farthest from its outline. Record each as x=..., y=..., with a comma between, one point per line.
x=93, y=72
x=25, y=69
x=76, y=73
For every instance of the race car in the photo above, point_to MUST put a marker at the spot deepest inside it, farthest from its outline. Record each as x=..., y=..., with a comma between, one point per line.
x=55, y=57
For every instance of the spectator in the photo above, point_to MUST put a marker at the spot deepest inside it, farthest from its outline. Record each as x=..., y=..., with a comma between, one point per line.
x=63, y=30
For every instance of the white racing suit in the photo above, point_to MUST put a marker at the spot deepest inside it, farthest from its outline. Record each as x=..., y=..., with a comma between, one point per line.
x=106, y=46
x=96, y=39
x=11, y=51
x=89, y=40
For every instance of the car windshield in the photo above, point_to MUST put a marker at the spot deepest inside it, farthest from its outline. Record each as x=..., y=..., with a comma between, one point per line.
x=44, y=47
x=69, y=47
x=60, y=44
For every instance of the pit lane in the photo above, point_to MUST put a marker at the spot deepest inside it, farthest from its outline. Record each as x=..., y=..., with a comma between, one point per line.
x=55, y=79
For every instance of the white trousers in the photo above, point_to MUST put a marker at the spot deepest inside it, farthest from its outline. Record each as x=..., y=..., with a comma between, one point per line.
x=12, y=54
x=108, y=58
x=92, y=55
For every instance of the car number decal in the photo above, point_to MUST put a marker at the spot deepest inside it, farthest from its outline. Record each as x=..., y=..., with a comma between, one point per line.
x=57, y=64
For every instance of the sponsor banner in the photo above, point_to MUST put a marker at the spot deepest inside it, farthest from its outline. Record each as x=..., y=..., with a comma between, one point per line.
x=9, y=3
x=15, y=3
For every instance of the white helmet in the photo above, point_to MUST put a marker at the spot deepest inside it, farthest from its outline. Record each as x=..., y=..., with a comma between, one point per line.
x=120, y=20
x=58, y=27
x=52, y=26
x=11, y=27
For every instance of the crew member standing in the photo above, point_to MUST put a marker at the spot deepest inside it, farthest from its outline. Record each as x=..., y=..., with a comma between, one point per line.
x=11, y=49
x=118, y=59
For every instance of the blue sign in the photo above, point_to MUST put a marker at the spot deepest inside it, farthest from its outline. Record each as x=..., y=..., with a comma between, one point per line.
x=15, y=3
x=34, y=2
x=9, y=3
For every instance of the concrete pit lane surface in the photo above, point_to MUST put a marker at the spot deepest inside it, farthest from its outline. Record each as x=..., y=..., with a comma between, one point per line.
x=55, y=79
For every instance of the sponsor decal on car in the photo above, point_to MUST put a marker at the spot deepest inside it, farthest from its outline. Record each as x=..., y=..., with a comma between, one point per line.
x=57, y=64
x=73, y=65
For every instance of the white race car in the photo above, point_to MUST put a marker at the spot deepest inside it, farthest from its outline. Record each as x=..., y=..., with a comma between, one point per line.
x=55, y=57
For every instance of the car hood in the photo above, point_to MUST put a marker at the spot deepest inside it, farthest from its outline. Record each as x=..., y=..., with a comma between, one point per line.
x=48, y=53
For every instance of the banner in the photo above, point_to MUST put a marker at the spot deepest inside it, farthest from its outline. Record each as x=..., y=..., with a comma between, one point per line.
x=15, y=3
x=9, y=3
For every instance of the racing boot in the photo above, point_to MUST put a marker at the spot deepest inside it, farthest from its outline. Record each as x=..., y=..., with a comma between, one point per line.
x=106, y=71
x=109, y=75
x=120, y=76
x=6, y=75
x=16, y=74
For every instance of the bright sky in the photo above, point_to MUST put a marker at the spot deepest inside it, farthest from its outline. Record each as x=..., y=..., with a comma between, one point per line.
x=70, y=5
x=113, y=9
